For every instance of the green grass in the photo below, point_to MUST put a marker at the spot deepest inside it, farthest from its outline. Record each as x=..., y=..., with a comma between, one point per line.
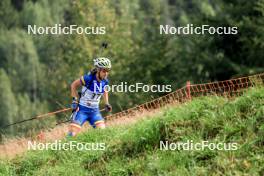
x=134, y=149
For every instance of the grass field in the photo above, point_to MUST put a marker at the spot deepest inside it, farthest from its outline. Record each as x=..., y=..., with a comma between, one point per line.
x=135, y=149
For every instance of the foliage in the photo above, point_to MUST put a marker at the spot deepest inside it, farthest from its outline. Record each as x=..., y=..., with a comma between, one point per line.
x=40, y=68
x=134, y=149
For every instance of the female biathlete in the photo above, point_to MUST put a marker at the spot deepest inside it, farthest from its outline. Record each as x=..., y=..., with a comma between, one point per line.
x=86, y=107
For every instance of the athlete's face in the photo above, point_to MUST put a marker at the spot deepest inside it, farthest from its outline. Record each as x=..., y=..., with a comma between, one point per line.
x=103, y=73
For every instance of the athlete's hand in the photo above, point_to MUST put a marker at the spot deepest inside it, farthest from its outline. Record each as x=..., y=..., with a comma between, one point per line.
x=74, y=104
x=108, y=107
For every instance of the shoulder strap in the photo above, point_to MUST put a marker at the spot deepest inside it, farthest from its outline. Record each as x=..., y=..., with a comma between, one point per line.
x=87, y=84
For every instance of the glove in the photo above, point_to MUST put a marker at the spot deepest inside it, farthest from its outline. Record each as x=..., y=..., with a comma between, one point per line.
x=108, y=107
x=74, y=104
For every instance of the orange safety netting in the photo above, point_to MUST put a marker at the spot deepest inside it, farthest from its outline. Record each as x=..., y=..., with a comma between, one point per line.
x=228, y=88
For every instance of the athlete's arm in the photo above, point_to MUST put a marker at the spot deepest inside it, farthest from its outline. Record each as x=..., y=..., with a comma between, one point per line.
x=106, y=97
x=74, y=86
x=108, y=107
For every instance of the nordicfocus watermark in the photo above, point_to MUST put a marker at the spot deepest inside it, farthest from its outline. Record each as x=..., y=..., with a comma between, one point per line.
x=58, y=29
x=190, y=29
x=137, y=87
x=190, y=145
x=71, y=145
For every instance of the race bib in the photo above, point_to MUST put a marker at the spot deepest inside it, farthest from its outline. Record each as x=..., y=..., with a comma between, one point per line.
x=90, y=99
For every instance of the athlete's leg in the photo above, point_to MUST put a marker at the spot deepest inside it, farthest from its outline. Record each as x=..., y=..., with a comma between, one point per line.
x=96, y=119
x=100, y=124
x=74, y=129
x=78, y=120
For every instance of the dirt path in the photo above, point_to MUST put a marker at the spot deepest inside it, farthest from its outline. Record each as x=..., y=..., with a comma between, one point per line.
x=15, y=147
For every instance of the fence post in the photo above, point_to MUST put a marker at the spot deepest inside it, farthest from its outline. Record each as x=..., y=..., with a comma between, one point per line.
x=41, y=136
x=188, y=90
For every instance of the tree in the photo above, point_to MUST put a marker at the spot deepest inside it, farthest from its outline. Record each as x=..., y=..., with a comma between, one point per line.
x=8, y=106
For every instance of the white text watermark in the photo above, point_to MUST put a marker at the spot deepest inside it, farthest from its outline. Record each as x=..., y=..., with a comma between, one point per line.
x=58, y=29
x=137, y=87
x=190, y=29
x=71, y=145
x=190, y=145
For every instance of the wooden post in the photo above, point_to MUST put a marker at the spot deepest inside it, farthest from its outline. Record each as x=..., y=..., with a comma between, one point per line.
x=188, y=90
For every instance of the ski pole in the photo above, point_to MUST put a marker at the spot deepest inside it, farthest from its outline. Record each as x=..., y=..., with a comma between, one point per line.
x=71, y=118
x=39, y=116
